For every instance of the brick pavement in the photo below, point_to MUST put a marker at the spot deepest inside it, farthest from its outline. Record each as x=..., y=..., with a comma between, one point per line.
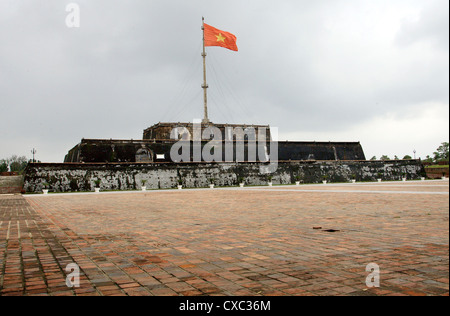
x=251, y=241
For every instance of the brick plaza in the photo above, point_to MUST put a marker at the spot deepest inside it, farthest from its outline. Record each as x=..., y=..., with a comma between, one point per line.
x=255, y=241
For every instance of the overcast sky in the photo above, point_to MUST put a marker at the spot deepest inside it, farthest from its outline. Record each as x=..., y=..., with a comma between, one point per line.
x=325, y=70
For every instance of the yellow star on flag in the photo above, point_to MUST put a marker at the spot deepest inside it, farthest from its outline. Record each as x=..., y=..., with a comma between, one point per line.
x=216, y=37
x=220, y=38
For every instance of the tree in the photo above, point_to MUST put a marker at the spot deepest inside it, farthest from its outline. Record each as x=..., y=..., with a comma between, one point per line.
x=385, y=157
x=442, y=152
x=428, y=159
x=4, y=166
x=373, y=158
x=17, y=164
x=407, y=157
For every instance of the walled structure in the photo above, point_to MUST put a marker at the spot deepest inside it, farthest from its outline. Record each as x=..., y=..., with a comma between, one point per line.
x=98, y=150
x=158, y=140
x=73, y=177
x=126, y=164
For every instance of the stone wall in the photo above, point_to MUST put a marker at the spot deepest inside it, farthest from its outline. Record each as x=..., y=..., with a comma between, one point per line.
x=74, y=177
x=109, y=150
x=437, y=173
x=10, y=184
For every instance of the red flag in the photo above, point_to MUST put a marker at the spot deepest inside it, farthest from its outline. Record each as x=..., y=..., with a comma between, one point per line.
x=216, y=37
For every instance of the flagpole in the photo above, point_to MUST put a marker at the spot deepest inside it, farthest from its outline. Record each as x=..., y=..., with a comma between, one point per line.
x=205, y=85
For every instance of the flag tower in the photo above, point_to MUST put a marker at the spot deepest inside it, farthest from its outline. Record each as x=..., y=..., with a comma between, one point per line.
x=204, y=85
x=213, y=37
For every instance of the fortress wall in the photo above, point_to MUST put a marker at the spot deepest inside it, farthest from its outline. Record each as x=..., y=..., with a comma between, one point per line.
x=10, y=183
x=93, y=150
x=75, y=177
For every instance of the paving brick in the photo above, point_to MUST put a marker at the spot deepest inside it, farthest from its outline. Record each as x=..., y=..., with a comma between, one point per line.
x=253, y=241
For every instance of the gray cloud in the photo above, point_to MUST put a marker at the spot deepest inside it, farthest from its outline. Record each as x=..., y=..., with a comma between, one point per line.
x=320, y=67
x=431, y=25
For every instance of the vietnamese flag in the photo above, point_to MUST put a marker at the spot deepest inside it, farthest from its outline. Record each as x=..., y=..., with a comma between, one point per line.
x=216, y=37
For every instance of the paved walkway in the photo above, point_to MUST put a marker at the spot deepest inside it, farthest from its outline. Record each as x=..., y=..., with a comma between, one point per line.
x=281, y=240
